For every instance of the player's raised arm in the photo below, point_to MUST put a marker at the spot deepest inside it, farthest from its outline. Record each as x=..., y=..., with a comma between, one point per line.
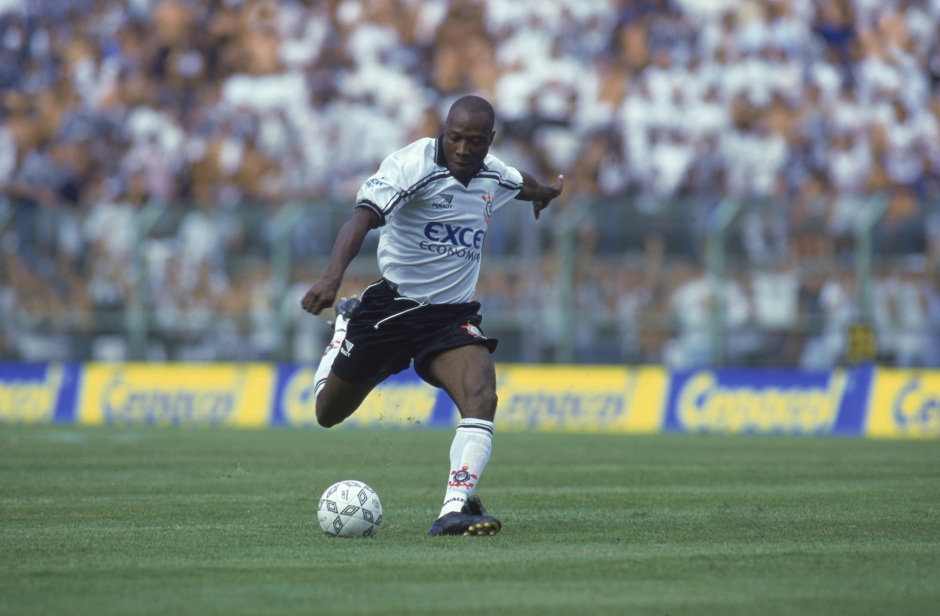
x=539, y=194
x=348, y=242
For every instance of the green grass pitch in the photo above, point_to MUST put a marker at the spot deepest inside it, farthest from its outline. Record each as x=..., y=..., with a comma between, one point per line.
x=220, y=521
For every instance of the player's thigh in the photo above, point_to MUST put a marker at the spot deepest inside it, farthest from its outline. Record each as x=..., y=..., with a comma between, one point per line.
x=468, y=375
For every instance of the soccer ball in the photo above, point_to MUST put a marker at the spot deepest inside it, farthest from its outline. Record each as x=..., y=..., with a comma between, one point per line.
x=349, y=508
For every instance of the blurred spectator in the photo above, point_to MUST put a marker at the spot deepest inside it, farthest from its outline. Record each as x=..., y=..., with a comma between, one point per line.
x=836, y=305
x=186, y=84
x=234, y=107
x=902, y=313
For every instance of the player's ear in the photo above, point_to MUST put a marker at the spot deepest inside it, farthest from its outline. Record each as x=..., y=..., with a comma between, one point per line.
x=492, y=136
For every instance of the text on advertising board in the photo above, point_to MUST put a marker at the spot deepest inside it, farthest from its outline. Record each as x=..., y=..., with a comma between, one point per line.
x=704, y=404
x=904, y=403
x=210, y=394
x=30, y=400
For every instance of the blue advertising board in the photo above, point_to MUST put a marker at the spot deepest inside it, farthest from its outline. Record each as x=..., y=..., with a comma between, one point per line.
x=38, y=392
x=752, y=401
x=858, y=401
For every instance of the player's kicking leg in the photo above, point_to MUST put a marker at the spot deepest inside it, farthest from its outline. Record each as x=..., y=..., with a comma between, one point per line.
x=337, y=399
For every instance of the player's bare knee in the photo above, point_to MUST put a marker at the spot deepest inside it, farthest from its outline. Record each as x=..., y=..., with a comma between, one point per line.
x=481, y=404
x=326, y=422
x=326, y=418
x=492, y=400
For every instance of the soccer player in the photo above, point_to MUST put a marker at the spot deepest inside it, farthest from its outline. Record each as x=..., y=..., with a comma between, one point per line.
x=432, y=201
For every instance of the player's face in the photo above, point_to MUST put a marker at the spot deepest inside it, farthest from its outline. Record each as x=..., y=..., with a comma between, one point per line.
x=467, y=139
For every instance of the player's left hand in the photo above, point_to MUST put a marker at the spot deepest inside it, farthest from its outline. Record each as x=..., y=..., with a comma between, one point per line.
x=320, y=296
x=547, y=194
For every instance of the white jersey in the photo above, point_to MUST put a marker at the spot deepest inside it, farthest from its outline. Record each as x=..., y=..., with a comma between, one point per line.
x=432, y=226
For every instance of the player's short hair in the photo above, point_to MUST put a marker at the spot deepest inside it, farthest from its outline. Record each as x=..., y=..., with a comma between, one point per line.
x=473, y=104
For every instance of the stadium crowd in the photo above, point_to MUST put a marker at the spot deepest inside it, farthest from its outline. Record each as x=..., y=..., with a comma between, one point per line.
x=235, y=106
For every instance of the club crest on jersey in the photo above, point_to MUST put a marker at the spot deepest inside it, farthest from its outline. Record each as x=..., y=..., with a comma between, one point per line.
x=473, y=330
x=488, y=207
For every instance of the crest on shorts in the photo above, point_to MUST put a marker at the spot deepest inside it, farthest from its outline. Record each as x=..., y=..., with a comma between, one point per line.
x=473, y=330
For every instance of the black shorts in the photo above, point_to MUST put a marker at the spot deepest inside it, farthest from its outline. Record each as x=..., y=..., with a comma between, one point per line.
x=390, y=331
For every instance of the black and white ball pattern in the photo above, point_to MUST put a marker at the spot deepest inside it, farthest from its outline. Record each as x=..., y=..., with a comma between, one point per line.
x=349, y=508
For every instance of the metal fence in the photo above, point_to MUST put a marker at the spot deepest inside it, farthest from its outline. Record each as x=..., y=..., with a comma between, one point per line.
x=684, y=283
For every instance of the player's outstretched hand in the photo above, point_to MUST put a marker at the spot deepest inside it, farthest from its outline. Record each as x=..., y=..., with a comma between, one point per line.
x=546, y=195
x=319, y=297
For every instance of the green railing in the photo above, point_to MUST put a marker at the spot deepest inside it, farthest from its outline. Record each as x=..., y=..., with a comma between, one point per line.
x=592, y=281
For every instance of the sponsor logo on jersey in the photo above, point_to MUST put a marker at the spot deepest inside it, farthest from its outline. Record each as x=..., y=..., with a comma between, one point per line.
x=454, y=235
x=346, y=349
x=453, y=240
x=444, y=201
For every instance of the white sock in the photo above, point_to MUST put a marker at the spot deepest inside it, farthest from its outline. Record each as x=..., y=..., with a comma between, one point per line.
x=329, y=355
x=469, y=454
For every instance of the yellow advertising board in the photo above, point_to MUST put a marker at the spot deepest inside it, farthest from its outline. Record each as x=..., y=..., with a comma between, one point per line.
x=904, y=403
x=173, y=394
x=581, y=398
x=859, y=401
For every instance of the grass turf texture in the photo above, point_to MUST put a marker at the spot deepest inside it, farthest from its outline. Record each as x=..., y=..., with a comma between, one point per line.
x=215, y=521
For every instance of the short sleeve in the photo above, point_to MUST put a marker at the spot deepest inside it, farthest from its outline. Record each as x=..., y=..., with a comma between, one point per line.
x=381, y=192
x=508, y=178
